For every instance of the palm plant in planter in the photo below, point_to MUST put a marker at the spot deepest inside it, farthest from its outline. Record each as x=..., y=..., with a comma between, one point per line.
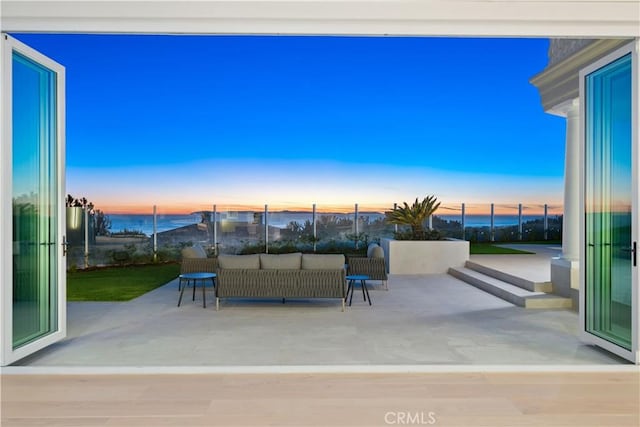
x=415, y=216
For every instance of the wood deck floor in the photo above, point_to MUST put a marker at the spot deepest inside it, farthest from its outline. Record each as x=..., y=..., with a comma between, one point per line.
x=442, y=399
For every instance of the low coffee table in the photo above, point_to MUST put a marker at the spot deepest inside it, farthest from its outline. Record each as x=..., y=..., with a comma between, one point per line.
x=363, y=283
x=195, y=277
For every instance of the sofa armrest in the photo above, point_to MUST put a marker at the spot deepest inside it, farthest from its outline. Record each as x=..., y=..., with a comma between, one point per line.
x=375, y=268
x=198, y=265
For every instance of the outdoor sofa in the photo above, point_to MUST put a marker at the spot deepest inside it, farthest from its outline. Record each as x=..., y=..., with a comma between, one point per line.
x=283, y=276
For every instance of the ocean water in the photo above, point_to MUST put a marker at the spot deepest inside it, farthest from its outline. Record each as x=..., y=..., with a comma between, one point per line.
x=144, y=223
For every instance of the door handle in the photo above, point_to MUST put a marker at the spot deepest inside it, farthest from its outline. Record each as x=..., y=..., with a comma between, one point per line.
x=65, y=244
x=633, y=250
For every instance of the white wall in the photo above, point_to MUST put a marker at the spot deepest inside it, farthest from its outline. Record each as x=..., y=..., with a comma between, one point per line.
x=424, y=257
x=577, y=18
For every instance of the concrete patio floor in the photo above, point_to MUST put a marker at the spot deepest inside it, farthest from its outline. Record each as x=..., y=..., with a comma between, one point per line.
x=421, y=320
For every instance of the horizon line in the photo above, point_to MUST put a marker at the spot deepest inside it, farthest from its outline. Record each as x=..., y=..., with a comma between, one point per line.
x=443, y=211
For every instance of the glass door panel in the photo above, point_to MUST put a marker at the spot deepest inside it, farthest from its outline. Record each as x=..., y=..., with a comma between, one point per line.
x=34, y=200
x=610, y=252
x=33, y=291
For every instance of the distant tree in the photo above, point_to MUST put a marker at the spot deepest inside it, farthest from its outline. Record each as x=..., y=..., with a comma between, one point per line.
x=102, y=223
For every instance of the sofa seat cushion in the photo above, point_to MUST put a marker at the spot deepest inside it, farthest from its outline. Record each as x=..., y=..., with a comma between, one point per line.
x=322, y=262
x=246, y=262
x=281, y=262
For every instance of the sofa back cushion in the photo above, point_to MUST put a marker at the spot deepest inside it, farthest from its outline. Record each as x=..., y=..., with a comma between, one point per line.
x=195, y=251
x=236, y=262
x=322, y=262
x=281, y=262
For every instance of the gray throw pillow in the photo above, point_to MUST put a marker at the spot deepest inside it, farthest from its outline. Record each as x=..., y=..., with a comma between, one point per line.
x=377, y=252
x=371, y=248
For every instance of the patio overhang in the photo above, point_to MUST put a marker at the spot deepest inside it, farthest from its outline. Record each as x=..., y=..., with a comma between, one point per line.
x=558, y=82
x=511, y=18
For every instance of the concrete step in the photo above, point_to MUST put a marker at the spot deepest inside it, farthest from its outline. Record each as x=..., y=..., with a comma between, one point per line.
x=509, y=292
x=510, y=278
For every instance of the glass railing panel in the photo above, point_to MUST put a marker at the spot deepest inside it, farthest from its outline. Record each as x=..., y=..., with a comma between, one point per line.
x=372, y=224
x=240, y=230
x=477, y=222
x=447, y=221
x=334, y=229
x=538, y=226
x=291, y=230
x=176, y=229
x=126, y=238
x=75, y=235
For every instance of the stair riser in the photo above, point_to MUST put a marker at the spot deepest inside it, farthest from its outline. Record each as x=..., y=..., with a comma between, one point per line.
x=549, y=303
x=487, y=287
x=526, y=302
x=514, y=280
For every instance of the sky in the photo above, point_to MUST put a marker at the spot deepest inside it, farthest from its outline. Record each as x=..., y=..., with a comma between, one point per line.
x=184, y=122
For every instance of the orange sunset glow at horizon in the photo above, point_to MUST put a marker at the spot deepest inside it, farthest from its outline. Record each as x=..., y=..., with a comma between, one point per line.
x=446, y=208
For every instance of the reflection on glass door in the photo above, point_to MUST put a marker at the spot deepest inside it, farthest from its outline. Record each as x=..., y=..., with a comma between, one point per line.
x=610, y=252
x=35, y=198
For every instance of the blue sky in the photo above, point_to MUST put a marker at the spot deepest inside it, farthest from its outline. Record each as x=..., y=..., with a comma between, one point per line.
x=187, y=121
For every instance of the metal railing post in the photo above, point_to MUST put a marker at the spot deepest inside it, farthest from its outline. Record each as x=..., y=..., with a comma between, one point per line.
x=492, y=236
x=355, y=214
x=546, y=222
x=155, y=233
x=86, y=237
x=315, y=229
x=266, y=229
x=519, y=221
x=215, y=230
x=463, y=228
x=395, y=226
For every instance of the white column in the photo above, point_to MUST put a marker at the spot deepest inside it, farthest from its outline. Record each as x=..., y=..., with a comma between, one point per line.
x=565, y=269
x=571, y=219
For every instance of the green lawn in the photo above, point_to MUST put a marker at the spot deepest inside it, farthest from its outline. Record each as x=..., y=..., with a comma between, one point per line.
x=489, y=249
x=118, y=283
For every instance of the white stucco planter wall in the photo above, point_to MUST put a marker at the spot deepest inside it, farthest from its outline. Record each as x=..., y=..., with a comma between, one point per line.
x=424, y=257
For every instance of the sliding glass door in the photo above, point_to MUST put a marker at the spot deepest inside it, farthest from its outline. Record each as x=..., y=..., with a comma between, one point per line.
x=33, y=91
x=610, y=248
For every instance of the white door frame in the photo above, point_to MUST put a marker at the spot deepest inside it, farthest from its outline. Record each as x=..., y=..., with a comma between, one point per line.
x=634, y=354
x=9, y=355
